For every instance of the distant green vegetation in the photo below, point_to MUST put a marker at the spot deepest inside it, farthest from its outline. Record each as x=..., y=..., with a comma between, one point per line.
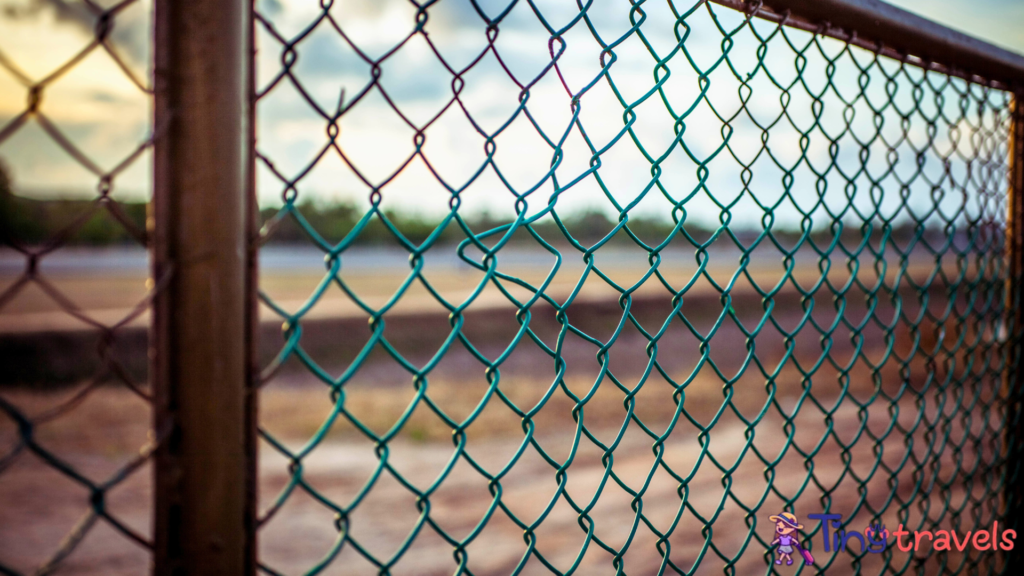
x=28, y=221
x=336, y=221
x=32, y=222
x=100, y=222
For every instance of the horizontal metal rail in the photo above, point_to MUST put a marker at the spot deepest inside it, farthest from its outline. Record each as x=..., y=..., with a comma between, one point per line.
x=894, y=32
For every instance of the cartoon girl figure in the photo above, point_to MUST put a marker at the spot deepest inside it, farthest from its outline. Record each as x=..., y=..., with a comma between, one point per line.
x=786, y=525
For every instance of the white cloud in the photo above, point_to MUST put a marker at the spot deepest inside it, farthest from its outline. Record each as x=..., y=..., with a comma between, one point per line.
x=103, y=113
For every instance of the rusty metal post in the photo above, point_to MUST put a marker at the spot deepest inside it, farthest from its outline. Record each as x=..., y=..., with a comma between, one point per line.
x=201, y=345
x=1014, y=438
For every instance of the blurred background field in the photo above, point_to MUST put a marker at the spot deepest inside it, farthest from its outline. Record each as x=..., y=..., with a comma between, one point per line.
x=826, y=329
x=834, y=356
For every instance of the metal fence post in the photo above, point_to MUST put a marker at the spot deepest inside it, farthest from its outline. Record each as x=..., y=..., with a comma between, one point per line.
x=1015, y=298
x=201, y=345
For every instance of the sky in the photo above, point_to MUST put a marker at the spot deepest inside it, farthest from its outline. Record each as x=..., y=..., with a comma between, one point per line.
x=105, y=116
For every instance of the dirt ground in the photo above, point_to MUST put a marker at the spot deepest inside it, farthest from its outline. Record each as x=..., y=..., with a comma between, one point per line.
x=724, y=471
x=883, y=430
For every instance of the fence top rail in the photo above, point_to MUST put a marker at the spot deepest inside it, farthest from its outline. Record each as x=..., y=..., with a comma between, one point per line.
x=894, y=32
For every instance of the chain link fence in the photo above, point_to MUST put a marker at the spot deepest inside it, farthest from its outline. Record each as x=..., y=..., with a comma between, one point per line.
x=545, y=288
x=74, y=121
x=786, y=291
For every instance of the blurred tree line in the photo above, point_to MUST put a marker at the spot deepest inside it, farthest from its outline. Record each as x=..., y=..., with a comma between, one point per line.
x=335, y=221
x=31, y=221
x=34, y=221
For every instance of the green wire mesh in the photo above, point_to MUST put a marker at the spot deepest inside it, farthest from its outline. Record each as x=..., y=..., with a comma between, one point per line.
x=818, y=325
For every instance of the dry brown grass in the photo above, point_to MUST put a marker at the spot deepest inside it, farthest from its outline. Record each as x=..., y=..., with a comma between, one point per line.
x=109, y=298
x=108, y=426
x=38, y=505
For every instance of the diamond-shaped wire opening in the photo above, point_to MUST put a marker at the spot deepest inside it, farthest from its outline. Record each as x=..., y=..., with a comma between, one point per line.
x=76, y=425
x=822, y=325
